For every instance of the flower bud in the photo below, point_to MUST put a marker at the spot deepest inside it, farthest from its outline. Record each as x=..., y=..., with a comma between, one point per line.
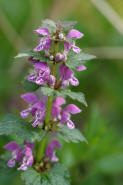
x=58, y=57
x=64, y=84
x=61, y=36
x=51, y=80
x=51, y=57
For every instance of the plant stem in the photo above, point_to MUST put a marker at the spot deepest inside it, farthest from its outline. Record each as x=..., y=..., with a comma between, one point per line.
x=41, y=145
x=49, y=107
x=40, y=150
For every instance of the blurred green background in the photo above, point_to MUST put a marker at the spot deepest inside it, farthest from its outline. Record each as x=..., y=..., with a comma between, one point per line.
x=101, y=161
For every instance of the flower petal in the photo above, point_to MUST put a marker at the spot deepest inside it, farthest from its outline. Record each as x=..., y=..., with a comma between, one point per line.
x=29, y=97
x=35, y=123
x=73, y=109
x=65, y=116
x=76, y=49
x=51, y=80
x=59, y=101
x=55, y=143
x=42, y=31
x=65, y=72
x=40, y=81
x=67, y=46
x=25, y=113
x=41, y=65
x=74, y=81
x=29, y=144
x=32, y=77
x=39, y=47
x=12, y=146
x=70, y=124
x=55, y=111
x=81, y=68
x=75, y=33
x=11, y=163
x=64, y=84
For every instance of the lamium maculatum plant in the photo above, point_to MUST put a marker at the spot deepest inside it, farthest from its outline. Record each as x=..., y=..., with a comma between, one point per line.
x=46, y=118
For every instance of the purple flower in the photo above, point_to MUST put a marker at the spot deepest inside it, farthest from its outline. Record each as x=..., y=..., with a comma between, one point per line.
x=51, y=81
x=33, y=60
x=66, y=114
x=66, y=76
x=36, y=109
x=50, y=152
x=73, y=34
x=27, y=159
x=16, y=153
x=60, y=56
x=45, y=42
x=56, y=108
x=23, y=156
x=41, y=73
x=42, y=31
x=81, y=68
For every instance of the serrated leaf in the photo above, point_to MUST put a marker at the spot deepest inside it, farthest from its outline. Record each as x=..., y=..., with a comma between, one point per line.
x=57, y=176
x=80, y=97
x=76, y=60
x=31, y=177
x=67, y=25
x=47, y=91
x=50, y=25
x=35, y=55
x=30, y=86
x=40, y=56
x=22, y=129
x=65, y=92
x=71, y=135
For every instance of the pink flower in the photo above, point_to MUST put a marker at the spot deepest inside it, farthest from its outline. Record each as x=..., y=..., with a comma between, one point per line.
x=18, y=152
x=67, y=76
x=73, y=34
x=45, y=42
x=36, y=109
x=66, y=114
x=50, y=152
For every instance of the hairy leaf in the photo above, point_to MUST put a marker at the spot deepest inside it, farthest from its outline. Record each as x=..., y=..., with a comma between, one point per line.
x=22, y=129
x=76, y=60
x=30, y=86
x=35, y=55
x=66, y=92
x=75, y=96
x=67, y=25
x=71, y=135
x=24, y=54
x=57, y=176
x=50, y=25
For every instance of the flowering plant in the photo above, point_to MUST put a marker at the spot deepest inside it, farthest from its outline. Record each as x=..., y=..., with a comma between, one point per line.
x=46, y=118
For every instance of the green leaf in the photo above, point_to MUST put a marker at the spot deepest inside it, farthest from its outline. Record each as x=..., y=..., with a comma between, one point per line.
x=67, y=25
x=57, y=176
x=31, y=177
x=50, y=25
x=80, y=97
x=24, y=54
x=40, y=56
x=35, y=55
x=71, y=135
x=65, y=92
x=30, y=86
x=22, y=129
x=76, y=60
